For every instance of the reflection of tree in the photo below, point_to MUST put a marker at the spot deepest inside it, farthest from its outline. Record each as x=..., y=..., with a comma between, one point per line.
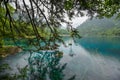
x=71, y=53
x=43, y=65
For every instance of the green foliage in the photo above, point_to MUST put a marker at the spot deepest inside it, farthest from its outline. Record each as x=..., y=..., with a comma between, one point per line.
x=10, y=7
x=2, y=13
x=75, y=33
x=68, y=4
x=33, y=23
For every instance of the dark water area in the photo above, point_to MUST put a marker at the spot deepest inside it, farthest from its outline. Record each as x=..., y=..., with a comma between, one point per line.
x=90, y=58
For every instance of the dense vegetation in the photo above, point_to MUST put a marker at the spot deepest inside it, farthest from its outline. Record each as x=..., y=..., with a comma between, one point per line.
x=100, y=27
x=21, y=18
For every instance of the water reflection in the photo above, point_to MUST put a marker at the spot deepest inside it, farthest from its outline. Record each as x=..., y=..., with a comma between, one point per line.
x=42, y=65
x=87, y=59
x=46, y=65
x=90, y=65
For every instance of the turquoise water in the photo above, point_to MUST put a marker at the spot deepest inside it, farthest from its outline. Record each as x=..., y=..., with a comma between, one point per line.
x=107, y=46
x=93, y=58
x=90, y=58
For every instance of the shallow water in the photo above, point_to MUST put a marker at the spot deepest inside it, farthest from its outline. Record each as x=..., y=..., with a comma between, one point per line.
x=90, y=58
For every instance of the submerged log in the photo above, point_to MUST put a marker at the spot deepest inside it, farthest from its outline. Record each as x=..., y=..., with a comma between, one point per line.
x=9, y=50
x=14, y=50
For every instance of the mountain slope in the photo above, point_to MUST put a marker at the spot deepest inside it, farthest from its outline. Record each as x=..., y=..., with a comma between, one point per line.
x=100, y=27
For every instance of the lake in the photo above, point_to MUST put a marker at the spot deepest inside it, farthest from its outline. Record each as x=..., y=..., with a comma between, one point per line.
x=90, y=58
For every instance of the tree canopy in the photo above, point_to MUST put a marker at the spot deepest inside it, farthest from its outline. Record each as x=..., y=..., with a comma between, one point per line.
x=23, y=18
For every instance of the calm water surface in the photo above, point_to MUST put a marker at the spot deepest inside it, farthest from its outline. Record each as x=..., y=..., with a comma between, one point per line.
x=95, y=58
x=90, y=58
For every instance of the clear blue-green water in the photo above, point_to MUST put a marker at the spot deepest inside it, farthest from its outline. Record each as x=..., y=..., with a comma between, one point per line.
x=107, y=46
x=90, y=58
x=95, y=58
